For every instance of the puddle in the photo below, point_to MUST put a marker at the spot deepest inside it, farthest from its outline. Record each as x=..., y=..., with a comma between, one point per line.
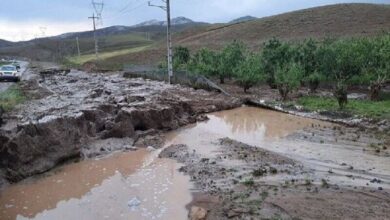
x=249, y=125
x=102, y=189
x=138, y=185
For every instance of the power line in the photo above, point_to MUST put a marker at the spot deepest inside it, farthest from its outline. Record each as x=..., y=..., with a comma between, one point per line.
x=98, y=7
x=126, y=11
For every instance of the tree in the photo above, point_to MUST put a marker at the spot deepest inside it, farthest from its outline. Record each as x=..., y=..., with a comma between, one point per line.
x=229, y=58
x=275, y=53
x=250, y=72
x=376, y=70
x=313, y=80
x=204, y=62
x=181, y=56
x=308, y=57
x=288, y=78
x=341, y=61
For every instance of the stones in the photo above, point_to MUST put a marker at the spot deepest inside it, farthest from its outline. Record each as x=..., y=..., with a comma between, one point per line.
x=197, y=213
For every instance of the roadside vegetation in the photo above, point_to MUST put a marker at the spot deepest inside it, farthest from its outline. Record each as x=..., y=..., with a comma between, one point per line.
x=11, y=97
x=340, y=64
x=372, y=109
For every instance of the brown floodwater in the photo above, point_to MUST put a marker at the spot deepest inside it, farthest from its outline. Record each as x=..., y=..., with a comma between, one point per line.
x=103, y=188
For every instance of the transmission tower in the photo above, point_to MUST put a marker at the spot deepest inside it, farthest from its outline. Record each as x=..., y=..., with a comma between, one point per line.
x=42, y=32
x=94, y=18
x=98, y=6
x=167, y=8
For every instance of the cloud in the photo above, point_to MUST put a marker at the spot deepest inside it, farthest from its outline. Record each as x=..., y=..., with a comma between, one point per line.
x=26, y=30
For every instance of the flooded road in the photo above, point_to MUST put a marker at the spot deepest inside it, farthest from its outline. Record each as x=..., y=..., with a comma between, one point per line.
x=139, y=185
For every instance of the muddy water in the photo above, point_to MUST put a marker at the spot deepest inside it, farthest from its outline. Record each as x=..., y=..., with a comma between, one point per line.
x=107, y=188
x=102, y=189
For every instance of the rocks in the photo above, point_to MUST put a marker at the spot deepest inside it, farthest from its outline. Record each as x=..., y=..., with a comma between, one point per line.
x=197, y=213
x=134, y=203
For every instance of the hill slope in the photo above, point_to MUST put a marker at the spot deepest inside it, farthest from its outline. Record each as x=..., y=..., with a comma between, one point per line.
x=341, y=20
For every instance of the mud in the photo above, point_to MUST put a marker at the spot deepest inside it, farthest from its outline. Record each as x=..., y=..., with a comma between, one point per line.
x=77, y=109
x=302, y=169
x=272, y=166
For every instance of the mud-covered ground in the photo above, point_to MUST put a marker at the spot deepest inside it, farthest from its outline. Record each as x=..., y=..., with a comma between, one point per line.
x=247, y=182
x=68, y=114
x=270, y=165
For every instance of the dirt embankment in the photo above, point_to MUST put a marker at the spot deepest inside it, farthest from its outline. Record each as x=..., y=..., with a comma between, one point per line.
x=77, y=110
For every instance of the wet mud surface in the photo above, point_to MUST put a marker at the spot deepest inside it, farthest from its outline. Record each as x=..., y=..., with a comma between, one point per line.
x=144, y=150
x=69, y=111
x=328, y=173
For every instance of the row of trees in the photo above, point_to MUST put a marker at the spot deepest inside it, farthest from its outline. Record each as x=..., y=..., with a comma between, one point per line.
x=287, y=66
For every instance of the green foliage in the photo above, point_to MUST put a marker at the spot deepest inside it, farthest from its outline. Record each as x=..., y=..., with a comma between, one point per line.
x=274, y=54
x=11, y=97
x=181, y=56
x=288, y=78
x=376, y=63
x=313, y=80
x=373, y=109
x=230, y=57
x=204, y=62
x=249, y=72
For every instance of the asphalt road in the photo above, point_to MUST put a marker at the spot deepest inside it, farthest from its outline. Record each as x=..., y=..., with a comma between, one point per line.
x=4, y=85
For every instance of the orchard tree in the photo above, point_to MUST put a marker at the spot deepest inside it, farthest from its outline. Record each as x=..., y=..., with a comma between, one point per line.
x=376, y=71
x=341, y=61
x=250, y=72
x=288, y=77
x=205, y=62
x=181, y=56
x=229, y=58
x=274, y=54
x=308, y=57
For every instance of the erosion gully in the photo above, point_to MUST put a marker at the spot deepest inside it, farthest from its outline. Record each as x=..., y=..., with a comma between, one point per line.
x=140, y=185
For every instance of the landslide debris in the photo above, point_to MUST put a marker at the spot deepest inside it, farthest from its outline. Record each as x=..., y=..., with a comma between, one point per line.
x=80, y=109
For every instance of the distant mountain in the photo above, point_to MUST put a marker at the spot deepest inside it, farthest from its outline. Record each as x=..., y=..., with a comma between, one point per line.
x=4, y=43
x=243, y=19
x=174, y=21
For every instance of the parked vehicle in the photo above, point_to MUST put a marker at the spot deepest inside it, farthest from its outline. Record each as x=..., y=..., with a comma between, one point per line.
x=9, y=72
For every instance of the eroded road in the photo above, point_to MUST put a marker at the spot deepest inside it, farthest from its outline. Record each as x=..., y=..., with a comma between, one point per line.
x=239, y=164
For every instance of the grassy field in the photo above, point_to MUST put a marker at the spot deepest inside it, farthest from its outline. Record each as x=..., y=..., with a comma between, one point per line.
x=104, y=55
x=379, y=109
x=11, y=97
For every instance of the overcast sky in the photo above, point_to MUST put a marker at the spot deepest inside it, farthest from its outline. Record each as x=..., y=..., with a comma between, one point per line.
x=24, y=19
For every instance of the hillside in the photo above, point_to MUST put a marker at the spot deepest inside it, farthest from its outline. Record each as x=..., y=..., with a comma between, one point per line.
x=110, y=39
x=242, y=19
x=145, y=44
x=341, y=20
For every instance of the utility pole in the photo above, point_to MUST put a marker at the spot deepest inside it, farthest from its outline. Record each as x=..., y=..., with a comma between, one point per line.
x=78, y=46
x=169, y=40
x=94, y=18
